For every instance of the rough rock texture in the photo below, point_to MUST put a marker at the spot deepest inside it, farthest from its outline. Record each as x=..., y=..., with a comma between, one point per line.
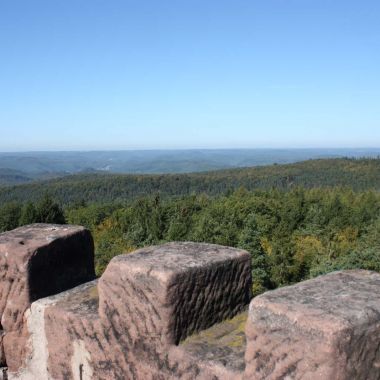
x=145, y=305
x=59, y=325
x=175, y=311
x=174, y=290
x=77, y=344
x=37, y=261
x=325, y=328
x=2, y=354
x=221, y=345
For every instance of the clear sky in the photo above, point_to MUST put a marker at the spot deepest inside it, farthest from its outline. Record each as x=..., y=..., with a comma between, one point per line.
x=123, y=74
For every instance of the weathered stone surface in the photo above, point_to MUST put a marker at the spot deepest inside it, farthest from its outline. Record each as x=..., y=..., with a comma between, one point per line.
x=59, y=326
x=325, y=328
x=117, y=335
x=37, y=261
x=2, y=354
x=70, y=341
x=162, y=313
x=173, y=290
x=222, y=345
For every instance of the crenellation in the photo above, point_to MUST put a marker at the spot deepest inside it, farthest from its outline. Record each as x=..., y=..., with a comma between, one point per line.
x=177, y=311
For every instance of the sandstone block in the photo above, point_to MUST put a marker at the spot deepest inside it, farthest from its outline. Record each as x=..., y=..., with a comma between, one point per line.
x=64, y=329
x=165, y=293
x=69, y=341
x=126, y=325
x=36, y=261
x=325, y=328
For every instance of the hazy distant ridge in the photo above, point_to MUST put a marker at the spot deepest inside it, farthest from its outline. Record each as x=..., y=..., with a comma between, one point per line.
x=358, y=174
x=24, y=167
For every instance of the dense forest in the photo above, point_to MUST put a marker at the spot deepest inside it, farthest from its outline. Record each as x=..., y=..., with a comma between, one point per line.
x=292, y=232
x=357, y=174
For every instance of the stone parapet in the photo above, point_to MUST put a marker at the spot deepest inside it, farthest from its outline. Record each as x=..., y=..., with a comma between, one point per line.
x=129, y=324
x=176, y=311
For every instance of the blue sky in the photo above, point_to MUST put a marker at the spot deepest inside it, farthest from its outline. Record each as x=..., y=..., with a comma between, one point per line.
x=121, y=74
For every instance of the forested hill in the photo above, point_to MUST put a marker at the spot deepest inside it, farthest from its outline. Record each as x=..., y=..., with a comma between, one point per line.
x=13, y=177
x=358, y=174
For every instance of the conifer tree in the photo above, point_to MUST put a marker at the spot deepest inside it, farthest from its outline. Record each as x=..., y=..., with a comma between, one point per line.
x=250, y=241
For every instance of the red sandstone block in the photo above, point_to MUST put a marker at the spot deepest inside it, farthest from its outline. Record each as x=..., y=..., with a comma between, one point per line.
x=170, y=290
x=36, y=261
x=165, y=293
x=325, y=328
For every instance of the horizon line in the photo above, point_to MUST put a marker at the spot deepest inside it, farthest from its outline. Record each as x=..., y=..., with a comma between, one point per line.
x=184, y=149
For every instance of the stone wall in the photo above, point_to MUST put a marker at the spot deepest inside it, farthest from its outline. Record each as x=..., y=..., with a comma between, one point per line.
x=175, y=311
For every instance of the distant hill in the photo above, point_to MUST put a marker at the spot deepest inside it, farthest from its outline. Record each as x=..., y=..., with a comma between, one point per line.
x=9, y=177
x=43, y=165
x=358, y=174
x=13, y=177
